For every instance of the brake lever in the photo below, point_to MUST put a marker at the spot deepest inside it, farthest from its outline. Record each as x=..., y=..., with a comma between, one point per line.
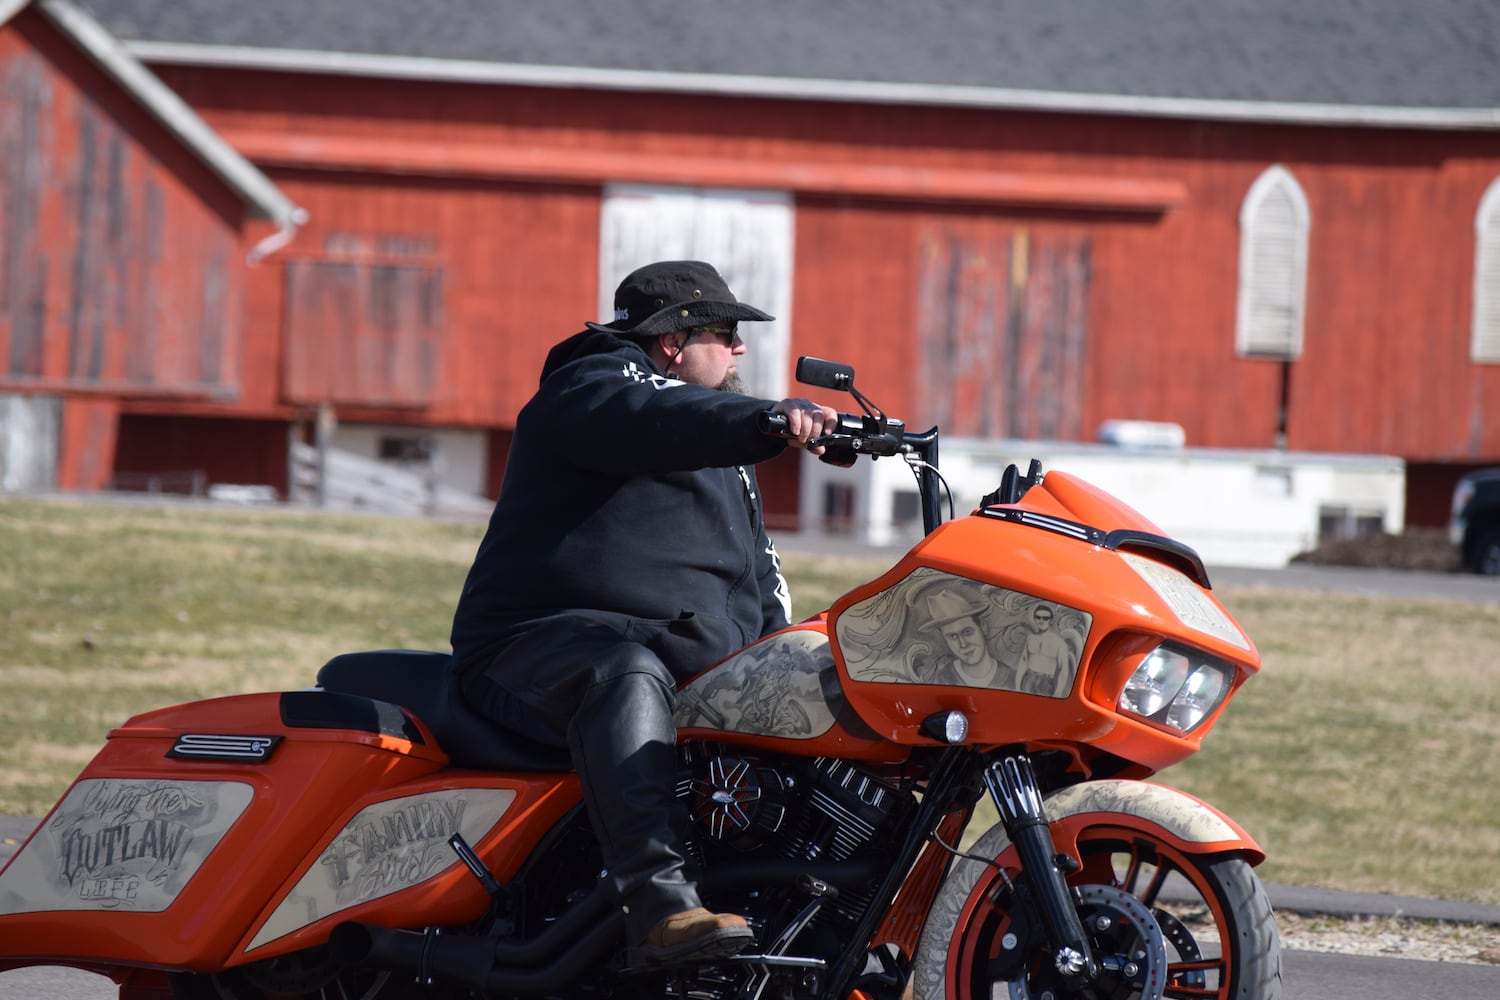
x=874, y=445
x=834, y=451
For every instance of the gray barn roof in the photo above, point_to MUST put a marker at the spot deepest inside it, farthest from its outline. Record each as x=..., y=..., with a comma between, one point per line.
x=1418, y=62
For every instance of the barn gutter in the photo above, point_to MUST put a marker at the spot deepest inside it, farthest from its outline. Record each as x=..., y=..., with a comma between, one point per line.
x=791, y=88
x=261, y=196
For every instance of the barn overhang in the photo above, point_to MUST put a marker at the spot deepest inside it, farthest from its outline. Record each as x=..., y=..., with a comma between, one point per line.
x=429, y=69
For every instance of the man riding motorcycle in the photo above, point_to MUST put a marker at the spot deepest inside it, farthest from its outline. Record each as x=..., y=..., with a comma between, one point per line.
x=626, y=551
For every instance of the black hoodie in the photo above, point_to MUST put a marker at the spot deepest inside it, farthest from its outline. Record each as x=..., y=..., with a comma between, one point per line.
x=628, y=498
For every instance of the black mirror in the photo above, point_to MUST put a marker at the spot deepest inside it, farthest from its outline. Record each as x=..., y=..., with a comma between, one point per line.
x=825, y=374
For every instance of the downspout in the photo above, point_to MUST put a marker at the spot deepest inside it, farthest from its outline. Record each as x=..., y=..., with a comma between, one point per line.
x=287, y=228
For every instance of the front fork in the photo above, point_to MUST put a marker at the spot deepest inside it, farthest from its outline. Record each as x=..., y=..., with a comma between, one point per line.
x=1013, y=786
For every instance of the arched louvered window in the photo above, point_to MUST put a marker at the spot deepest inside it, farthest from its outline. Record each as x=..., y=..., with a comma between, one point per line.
x=1485, y=342
x=1274, y=221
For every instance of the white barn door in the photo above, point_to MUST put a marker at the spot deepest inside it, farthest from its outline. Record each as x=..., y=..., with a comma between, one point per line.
x=747, y=235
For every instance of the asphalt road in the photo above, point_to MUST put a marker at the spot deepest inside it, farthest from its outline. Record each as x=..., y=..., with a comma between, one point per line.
x=1466, y=587
x=1306, y=976
x=1309, y=976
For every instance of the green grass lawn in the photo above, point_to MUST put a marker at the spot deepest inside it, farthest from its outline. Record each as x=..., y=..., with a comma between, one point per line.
x=1362, y=757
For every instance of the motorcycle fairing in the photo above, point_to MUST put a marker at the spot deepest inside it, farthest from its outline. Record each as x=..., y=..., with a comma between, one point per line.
x=120, y=844
x=1190, y=603
x=1119, y=604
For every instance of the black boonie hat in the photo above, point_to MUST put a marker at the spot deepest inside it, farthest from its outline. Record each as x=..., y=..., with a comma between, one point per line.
x=674, y=295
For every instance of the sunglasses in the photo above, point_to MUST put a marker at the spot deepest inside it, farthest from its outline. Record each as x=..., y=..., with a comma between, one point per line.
x=725, y=332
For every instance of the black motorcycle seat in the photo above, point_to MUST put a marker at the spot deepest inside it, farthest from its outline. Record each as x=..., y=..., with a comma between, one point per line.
x=424, y=684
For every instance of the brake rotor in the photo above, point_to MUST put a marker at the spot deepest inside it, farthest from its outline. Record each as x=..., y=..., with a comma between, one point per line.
x=1127, y=943
x=1186, y=946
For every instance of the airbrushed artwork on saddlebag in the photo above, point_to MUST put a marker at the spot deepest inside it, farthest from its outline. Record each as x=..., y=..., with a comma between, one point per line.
x=117, y=844
x=936, y=628
x=783, y=686
x=386, y=847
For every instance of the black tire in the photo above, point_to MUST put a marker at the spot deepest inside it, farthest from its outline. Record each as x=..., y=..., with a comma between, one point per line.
x=1486, y=557
x=1221, y=938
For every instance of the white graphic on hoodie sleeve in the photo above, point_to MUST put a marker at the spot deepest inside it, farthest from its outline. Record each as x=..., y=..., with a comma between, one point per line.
x=636, y=373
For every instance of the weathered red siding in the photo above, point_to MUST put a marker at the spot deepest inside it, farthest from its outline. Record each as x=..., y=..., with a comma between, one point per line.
x=122, y=265
x=976, y=321
x=493, y=274
x=87, y=446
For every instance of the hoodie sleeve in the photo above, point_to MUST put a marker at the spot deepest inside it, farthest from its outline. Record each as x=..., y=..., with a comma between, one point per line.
x=615, y=415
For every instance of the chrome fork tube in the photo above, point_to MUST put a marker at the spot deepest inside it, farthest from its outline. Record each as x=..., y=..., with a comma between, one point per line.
x=1013, y=786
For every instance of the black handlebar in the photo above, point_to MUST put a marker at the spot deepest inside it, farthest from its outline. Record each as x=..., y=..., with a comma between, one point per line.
x=871, y=433
x=856, y=435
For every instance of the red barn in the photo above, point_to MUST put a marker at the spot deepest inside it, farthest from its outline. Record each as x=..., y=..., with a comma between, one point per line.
x=1276, y=228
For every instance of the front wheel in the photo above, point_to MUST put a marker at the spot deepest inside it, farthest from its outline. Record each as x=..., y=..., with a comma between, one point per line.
x=1162, y=923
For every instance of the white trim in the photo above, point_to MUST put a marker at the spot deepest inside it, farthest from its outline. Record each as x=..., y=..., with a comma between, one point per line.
x=10, y=8
x=1276, y=180
x=791, y=88
x=254, y=187
x=1484, y=337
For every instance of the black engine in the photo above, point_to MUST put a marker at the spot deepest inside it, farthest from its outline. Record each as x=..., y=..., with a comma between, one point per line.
x=806, y=809
x=784, y=825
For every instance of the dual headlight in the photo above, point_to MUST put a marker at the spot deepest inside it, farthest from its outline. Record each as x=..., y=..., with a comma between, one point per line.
x=1176, y=687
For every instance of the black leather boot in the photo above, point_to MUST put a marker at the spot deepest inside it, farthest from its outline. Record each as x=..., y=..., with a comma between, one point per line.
x=624, y=746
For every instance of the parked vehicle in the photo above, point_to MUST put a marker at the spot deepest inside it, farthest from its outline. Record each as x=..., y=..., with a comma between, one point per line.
x=1028, y=665
x=1474, y=528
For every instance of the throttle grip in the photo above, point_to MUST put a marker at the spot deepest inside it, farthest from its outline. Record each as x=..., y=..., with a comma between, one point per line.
x=772, y=424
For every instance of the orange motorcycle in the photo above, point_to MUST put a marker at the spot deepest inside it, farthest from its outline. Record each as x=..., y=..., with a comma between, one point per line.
x=1027, y=667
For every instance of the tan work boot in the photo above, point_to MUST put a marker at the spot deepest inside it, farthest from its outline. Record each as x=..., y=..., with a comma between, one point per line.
x=695, y=935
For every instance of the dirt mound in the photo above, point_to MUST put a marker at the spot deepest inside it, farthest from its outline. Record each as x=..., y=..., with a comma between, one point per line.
x=1425, y=549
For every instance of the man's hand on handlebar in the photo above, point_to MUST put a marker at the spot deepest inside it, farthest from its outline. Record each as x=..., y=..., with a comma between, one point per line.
x=806, y=420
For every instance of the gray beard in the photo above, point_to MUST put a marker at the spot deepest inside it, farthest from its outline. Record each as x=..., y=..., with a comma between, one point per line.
x=732, y=383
